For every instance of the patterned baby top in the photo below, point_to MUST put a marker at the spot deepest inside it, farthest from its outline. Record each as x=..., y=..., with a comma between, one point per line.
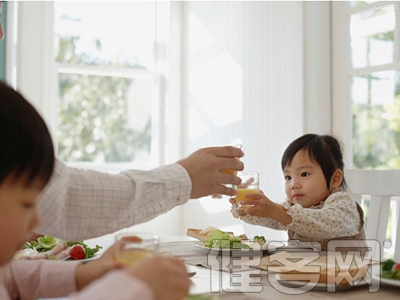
x=338, y=217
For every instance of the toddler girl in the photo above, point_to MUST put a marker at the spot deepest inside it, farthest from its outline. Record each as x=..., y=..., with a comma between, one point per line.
x=318, y=208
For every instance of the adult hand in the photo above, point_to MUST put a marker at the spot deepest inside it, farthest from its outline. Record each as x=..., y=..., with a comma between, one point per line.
x=166, y=276
x=204, y=166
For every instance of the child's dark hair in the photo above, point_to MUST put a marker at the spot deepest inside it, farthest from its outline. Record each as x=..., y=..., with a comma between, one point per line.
x=326, y=150
x=26, y=145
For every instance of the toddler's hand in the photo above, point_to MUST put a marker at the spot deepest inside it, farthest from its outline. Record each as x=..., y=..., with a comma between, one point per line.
x=238, y=213
x=262, y=206
x=234, y=211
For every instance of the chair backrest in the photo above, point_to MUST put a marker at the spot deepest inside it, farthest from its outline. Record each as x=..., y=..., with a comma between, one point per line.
x=381, y=188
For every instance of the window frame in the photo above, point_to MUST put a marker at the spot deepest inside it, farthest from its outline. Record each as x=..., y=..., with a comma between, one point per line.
x=342, y=70
x=34, y=38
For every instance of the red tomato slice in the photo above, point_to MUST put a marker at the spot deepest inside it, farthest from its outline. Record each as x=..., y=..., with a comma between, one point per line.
x=77, y=252
x=396, y=266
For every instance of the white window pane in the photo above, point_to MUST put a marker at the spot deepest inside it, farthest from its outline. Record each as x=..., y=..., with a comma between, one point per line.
x=106, y=33
x=359, y=3
x=372, y=37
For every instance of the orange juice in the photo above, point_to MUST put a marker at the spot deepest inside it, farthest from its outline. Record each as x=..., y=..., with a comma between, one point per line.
x=240, y=196
x=229, y=171
x=131, y=256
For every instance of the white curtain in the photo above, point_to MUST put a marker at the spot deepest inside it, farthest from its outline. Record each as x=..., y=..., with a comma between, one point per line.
x=244, y=79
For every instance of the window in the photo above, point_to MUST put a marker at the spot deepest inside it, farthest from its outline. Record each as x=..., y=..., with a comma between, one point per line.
x=366, y=50
x=98, y=74
x=366, y=89
x=109, y=65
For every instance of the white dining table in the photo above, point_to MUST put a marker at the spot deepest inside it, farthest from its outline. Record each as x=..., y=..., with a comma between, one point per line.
x=239, y=281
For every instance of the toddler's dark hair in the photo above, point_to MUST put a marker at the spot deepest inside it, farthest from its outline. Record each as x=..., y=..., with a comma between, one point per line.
x=325, y=150
x=26, y=145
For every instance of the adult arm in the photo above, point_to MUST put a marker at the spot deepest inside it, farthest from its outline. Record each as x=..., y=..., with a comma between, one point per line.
x=79, y=204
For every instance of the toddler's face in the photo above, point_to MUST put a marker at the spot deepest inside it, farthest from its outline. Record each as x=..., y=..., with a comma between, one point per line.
x=17, y=215
x=304, y=181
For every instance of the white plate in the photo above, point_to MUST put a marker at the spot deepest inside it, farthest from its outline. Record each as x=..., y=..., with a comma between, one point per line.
x=318, y=286
x=268, y=246
x=377, y=277
x=18, y=256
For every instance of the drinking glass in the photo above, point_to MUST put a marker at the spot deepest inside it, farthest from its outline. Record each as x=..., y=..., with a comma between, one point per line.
x=250, y=184
x=132, y=247
x=229, y=171
x=232, y=171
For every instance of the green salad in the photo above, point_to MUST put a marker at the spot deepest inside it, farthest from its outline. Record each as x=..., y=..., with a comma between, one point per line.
x=42, y=243
x=259, y=239
x=47, y=243
x=390, y=269
x=224, y=240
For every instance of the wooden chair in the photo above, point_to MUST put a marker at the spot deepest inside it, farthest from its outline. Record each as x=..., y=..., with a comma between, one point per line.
x=379, y=191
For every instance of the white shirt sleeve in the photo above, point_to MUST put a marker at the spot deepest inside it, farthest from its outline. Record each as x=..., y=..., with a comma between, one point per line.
x=79, y=204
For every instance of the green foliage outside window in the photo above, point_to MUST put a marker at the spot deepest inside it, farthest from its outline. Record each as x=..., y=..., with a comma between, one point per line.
x=372, y=137
x=93, y=115
x=376, y=127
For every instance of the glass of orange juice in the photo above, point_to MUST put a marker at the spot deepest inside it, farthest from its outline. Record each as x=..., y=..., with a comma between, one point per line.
x=229, y=171
x=232, y=171
x=132, y=247
x=250, y=184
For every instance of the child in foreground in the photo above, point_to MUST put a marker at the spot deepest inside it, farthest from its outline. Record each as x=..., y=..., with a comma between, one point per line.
x=318, y=208
x=26, y=165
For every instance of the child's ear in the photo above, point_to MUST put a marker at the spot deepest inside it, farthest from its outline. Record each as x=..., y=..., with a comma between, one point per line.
x=337, y=179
